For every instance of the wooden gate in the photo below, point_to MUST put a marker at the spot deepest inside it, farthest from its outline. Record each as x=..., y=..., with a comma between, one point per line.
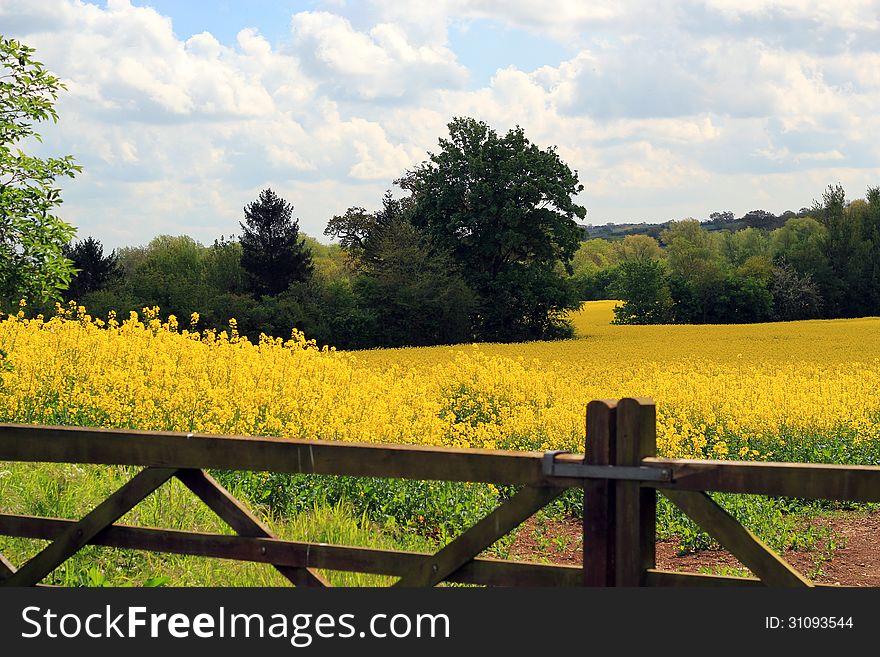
x=619, y=473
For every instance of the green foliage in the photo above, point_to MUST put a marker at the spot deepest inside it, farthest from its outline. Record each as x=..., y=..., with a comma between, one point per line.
x=272, y=253
x=70, y=491
x=741, y=246
x=697, y=267
x=94, y=270
x=637, y=248
x=850, y=254
x=401, y=277
x=743, y=299
x=223, y=270
x=822, y=262
x=643, y=288
x=416, y=290
x=171, y=275
x=504, y=210
x=598, y=285
x=779, y=523
x=427, y=508
x=593, y=256
x=32, y=237
x=801, y=244
x=794, y=296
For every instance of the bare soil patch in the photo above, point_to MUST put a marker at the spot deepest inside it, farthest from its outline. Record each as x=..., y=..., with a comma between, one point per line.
x=856, y=562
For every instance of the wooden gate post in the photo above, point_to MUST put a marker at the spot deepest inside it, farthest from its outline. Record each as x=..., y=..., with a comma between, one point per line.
x=636, y=507
x=599, y=507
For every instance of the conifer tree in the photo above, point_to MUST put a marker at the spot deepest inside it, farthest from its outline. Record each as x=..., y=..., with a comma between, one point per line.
x=273, y=254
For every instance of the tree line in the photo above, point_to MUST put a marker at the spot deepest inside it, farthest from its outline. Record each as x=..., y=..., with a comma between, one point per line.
x=718, y=221
x=481, y=243
x=477, y=247
x=821, y=263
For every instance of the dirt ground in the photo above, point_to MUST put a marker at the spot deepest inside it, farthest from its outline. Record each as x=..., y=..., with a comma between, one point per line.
x=856, y=562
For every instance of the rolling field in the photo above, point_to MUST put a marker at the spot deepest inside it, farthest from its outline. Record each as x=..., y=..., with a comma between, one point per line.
x=802, y=391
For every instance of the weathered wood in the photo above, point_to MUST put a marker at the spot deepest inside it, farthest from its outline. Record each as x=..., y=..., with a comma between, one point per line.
x=616, y=514
x=6, y=567
x=856, y=483
x=490, y=572
x=164, y=449
x=499, y=572
x=245, y=523
x=198, y=451
x=599, y=508
x=82, y=531
x=743, y=544
x=434, y=569
x=666, y=578
x=636, y=507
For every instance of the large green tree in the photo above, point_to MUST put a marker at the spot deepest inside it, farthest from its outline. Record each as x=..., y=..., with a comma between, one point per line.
x=273, y=254
x=411, y=285
x=32, y=236
x=849, y=254
x=871, y=232
x=642, y=287
x=696, y=269
x=171, y=275
x=504, y=210
x=415, y=291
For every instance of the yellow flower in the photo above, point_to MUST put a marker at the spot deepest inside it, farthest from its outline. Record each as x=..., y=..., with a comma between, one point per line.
x=715, y=386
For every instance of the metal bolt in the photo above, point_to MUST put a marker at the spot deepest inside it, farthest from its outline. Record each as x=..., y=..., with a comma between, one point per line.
x=263, y=550
x=434, y=568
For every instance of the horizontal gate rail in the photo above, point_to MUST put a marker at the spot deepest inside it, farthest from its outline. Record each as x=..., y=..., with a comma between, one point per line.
x=854, y=483
x=49, y=444
x=666, y=578
x=296, y=554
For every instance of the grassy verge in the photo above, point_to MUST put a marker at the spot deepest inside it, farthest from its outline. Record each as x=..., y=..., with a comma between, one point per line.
x=70, y=491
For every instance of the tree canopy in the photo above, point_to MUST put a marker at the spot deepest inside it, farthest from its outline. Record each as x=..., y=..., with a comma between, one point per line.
x=32, y=237
x=504, y=210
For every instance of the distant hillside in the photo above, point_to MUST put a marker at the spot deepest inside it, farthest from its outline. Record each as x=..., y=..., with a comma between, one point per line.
x=760, y=219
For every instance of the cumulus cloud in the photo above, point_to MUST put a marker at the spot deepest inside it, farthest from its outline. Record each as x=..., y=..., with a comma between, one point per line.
x=371, y=65
x=663, y=106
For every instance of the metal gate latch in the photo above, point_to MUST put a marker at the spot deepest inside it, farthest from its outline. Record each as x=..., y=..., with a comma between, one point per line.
x=550, y=467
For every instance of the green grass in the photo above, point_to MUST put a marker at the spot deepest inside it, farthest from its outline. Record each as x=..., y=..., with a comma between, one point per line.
x=70, y=491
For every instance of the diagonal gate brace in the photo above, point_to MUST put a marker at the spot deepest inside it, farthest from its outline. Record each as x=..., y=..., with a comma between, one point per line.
x=83, y=531
x=743, y=544
x=242, y=521
x=437, y=567
x=6, y=568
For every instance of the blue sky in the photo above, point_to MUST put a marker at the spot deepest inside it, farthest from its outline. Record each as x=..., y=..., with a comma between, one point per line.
x=181, y=112
x=483, y=45
x=225, y=18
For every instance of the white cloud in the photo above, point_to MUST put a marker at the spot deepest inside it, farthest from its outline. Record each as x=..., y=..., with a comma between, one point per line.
x=374, y=65
x=853, y=14
x=710, y=104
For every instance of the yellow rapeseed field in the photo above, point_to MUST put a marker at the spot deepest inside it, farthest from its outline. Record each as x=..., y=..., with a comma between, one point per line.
x=763, y=391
